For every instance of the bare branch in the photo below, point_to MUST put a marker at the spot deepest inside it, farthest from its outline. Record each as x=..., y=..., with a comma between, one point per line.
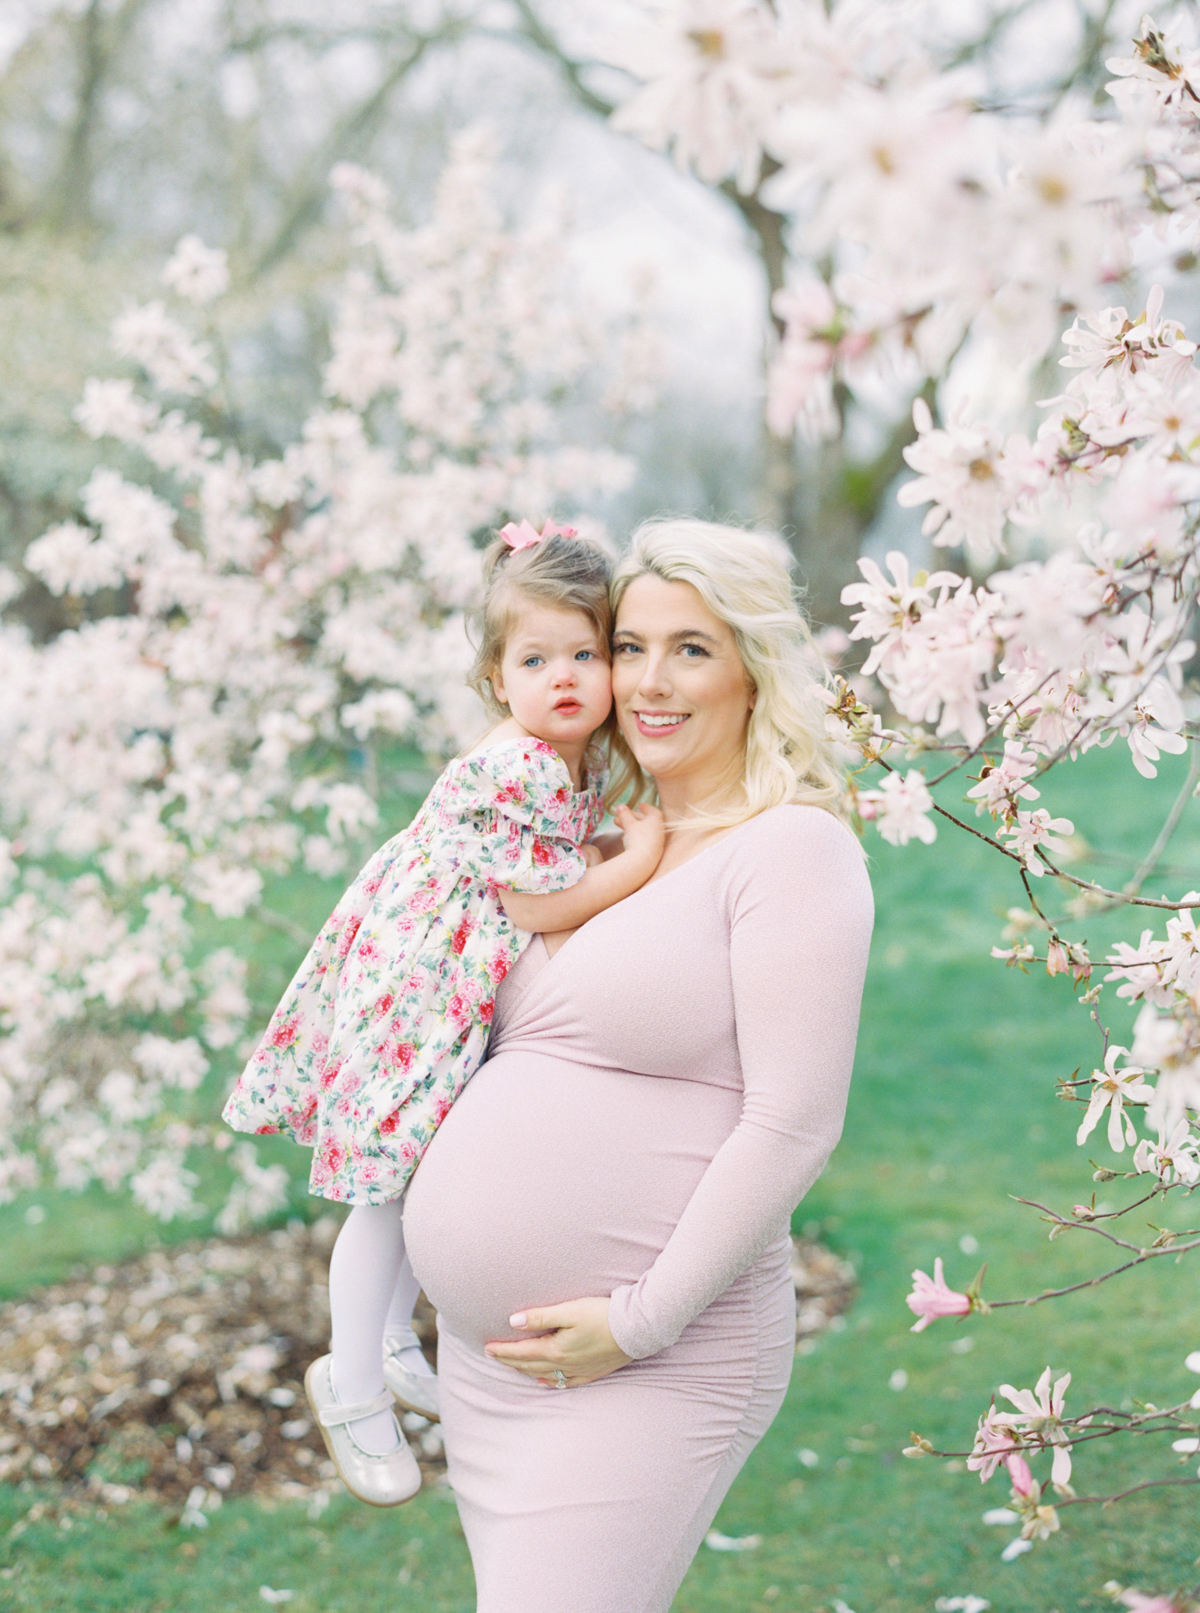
x=1178, y=806
x=534, y=30
x=348, y=135
x=1102, y=1277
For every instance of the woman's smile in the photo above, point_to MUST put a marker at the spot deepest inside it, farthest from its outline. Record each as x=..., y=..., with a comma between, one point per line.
x=682, y=696
x=659, y=722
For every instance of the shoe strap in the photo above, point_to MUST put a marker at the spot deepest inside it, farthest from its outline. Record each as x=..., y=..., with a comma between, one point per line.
x=335, y=1416
x=403, y=1339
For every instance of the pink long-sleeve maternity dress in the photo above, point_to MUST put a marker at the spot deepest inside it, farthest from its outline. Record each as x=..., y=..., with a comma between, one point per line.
x=658, y=1098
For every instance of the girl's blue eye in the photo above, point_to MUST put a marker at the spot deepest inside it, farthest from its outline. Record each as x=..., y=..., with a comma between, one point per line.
x=585, y=655
x=530, y=660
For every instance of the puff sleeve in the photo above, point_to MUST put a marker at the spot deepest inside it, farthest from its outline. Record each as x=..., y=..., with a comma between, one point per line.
x=514, y=820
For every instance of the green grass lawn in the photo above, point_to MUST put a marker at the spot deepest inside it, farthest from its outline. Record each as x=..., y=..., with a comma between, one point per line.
x=953, y=1111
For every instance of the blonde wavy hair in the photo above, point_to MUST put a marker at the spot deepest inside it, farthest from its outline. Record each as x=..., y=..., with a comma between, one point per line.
x=744, y=579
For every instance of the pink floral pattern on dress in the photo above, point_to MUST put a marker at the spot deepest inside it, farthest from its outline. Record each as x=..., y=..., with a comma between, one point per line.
x=389, y=1015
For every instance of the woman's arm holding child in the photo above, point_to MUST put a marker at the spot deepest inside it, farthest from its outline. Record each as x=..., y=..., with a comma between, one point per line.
x=603, y=884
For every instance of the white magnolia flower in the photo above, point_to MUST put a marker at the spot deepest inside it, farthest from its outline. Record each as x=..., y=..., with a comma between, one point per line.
x=711, y=80
x=901, y=809
x=172, y=358
x=111, y=408
x=1174, y=1158
x=197, y=272
x=164, y=1187
x=1039, y=1417
x=1029, y=830
x=1114, y=1088
x=1002, y=785
x=963, y=473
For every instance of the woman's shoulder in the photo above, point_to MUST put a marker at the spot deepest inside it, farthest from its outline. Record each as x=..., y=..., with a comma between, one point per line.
x=796, y=847
x=797, y=828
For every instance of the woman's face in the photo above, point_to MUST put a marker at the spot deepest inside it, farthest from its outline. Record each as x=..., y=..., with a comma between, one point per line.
x=682, y=696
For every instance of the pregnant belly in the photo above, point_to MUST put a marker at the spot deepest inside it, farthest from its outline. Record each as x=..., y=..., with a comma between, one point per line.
x=550, y=1180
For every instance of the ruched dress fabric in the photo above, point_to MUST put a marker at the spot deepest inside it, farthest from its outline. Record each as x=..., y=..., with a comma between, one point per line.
x=658, y=1097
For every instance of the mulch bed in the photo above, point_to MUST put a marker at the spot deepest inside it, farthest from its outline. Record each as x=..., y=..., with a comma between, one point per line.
x=179, y=1375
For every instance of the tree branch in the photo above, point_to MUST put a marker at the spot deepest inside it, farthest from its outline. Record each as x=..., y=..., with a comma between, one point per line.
x=1150, y=861
x=349, y=134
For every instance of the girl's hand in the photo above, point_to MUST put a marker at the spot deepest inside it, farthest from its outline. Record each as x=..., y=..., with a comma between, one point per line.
x=580, y=1345
x=645, y=832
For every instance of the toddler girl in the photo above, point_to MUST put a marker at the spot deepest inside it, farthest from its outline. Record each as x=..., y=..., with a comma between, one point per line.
x=389, y=1014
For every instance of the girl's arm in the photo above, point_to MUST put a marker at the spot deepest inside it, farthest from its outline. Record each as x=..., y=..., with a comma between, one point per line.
x=607, y=845
x=601, y=885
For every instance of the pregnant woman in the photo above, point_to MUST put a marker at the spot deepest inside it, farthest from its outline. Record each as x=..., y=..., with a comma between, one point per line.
x=602, y=1220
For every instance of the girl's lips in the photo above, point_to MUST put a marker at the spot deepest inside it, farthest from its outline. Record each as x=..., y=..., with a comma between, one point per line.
x=568, y=707
x=653, y=724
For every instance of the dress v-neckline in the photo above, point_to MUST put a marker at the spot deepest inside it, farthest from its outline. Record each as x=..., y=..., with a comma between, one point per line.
x=650, y=884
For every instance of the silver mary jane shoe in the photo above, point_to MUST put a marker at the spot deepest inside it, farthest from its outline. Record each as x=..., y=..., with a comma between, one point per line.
x=380, y=1481
x=412, y=1390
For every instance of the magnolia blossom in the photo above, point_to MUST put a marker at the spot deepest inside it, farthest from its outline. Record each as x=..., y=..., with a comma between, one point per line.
x=1113, y=1089
x=901, y=808
x=1174, y=1158
x=815, y=347
x=935, y=642
x=174, y=360
x=197, y=272
x=994, y=1444
x=964, y=474
x=710, y=82
x=1161, y=972
x=1111, y=342
x=1030, y=830
x=950, y=238
x=1002, y=785
x=1039, y=1418
x=164, y=765
x=931, y=1298
x=1023, y=1482
x=1192, y=1363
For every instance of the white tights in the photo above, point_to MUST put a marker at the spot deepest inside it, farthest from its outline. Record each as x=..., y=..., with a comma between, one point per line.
x=372, y=1293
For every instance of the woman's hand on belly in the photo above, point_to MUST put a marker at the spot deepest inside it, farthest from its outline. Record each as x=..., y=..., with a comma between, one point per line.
x=580, y=1345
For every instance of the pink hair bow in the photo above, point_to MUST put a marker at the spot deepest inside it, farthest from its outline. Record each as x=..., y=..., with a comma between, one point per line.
x=523, y=536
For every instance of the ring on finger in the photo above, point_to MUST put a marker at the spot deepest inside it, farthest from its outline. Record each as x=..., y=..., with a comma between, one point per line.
x=560, y=1380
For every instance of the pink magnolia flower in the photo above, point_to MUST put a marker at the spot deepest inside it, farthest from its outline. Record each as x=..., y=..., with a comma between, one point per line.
x=993, y=1445
x=1149, y=1604
x=932, y=1297
x=963, y=474
x=197, y=272
x=1023, y=1481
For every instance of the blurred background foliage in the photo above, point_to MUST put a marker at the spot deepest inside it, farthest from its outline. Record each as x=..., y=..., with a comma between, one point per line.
x=125, y=124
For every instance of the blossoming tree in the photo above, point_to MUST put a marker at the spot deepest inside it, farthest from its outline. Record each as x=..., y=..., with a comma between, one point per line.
x=947, y=240
x=282, y=614
x=281, y=619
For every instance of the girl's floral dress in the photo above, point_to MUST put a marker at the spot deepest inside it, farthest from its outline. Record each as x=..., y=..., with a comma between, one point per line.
x=389, y=1014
